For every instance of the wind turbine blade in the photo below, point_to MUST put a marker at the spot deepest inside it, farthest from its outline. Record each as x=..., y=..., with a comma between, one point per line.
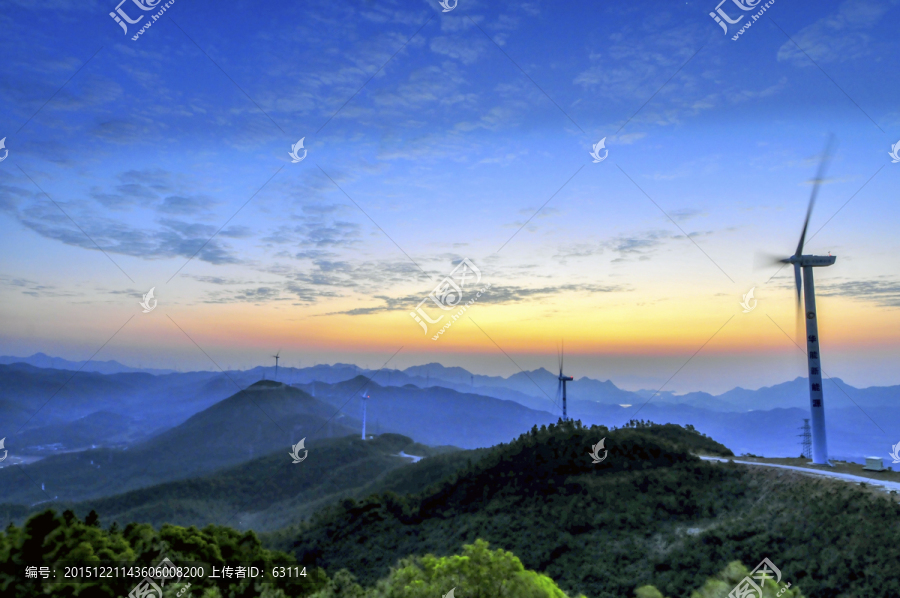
x=823, y=166
x=762, y=260
x=798, y=320
x=559, y=359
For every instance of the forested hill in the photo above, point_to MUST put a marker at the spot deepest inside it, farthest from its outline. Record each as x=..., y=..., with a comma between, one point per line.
x=650, y=513
x=650, y=519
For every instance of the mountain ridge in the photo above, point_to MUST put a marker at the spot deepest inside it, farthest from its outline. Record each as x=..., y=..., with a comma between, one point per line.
x=535, y=389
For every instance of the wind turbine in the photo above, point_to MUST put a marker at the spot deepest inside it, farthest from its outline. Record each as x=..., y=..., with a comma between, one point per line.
x=806, y=263
x=365, y=400
x=561, y=387
x=276, y=356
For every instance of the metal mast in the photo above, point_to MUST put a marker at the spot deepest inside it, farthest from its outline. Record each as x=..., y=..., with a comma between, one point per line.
x=561, y=388
x=806, y=441
x=365, y=400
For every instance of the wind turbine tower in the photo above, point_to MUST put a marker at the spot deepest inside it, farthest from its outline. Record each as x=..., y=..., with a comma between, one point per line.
x=805, y=264
x=276, y=356
x=561, y=388
x=365, y=400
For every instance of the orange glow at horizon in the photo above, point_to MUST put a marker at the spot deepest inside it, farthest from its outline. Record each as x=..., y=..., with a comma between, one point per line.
x=666, y=327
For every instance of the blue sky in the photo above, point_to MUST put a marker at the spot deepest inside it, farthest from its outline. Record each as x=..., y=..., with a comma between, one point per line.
x=436, y=136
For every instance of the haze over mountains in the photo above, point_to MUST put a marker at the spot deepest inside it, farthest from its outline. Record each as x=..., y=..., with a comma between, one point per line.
x=522, y=387
x=208, y=415
x=202, y=447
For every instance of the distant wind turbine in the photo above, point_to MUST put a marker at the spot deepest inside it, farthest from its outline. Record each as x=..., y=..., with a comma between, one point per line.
x=276, y=356
x=813, y=355
x=365, y=400
x=561, y=388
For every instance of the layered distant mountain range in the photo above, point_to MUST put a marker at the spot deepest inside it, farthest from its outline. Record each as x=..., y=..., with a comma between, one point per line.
x=535, y=389
x=48, y=411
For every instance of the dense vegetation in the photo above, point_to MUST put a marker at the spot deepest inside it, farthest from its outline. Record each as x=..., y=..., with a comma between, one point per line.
x=268, y=492
x=650, y=514
x=586, y=525
x=51, y=540
x=478, y=572
x=651, y=520
x=483, y=573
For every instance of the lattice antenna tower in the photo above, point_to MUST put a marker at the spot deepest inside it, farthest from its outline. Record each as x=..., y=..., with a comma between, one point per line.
x=806, y=439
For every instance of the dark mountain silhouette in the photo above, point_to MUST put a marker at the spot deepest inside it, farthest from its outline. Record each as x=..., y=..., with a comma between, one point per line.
x=270, y=492
x=433, y=416
x=265, y=417
x=41, y=360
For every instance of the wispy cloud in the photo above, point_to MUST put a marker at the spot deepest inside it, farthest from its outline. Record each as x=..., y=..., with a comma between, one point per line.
x=841, y=36
x=497, y=295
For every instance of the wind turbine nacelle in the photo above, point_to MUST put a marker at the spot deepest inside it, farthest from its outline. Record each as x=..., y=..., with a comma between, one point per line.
x=816, y=260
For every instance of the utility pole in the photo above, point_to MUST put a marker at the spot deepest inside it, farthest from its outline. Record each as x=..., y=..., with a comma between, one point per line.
x=806, y=441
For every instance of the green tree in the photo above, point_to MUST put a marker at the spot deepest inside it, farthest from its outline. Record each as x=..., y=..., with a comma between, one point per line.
x=342, y=585
x=723, y=583
x=478, y=573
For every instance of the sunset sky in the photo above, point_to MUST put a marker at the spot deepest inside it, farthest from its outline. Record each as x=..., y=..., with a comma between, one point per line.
x=472, y=142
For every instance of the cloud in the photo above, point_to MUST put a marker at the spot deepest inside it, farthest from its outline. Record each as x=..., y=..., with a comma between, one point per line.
x=496, y=295
x=884, y=291
x=466, y=50
x=316, y=232
x=838, y=37
x=146, y=188
x=180, y=204
x=35, y=289
x=326, y=278
x=630, y=138
x=635, y=69
x=218, y=280
x=642, y=246
x=683, y=214
x=174, y=239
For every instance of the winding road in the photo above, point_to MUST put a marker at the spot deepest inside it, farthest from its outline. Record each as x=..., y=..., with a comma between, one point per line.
x=413, y=457
x=828, y=474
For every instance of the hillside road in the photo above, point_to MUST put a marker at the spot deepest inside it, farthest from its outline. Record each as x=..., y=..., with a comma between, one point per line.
x=828, y=474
